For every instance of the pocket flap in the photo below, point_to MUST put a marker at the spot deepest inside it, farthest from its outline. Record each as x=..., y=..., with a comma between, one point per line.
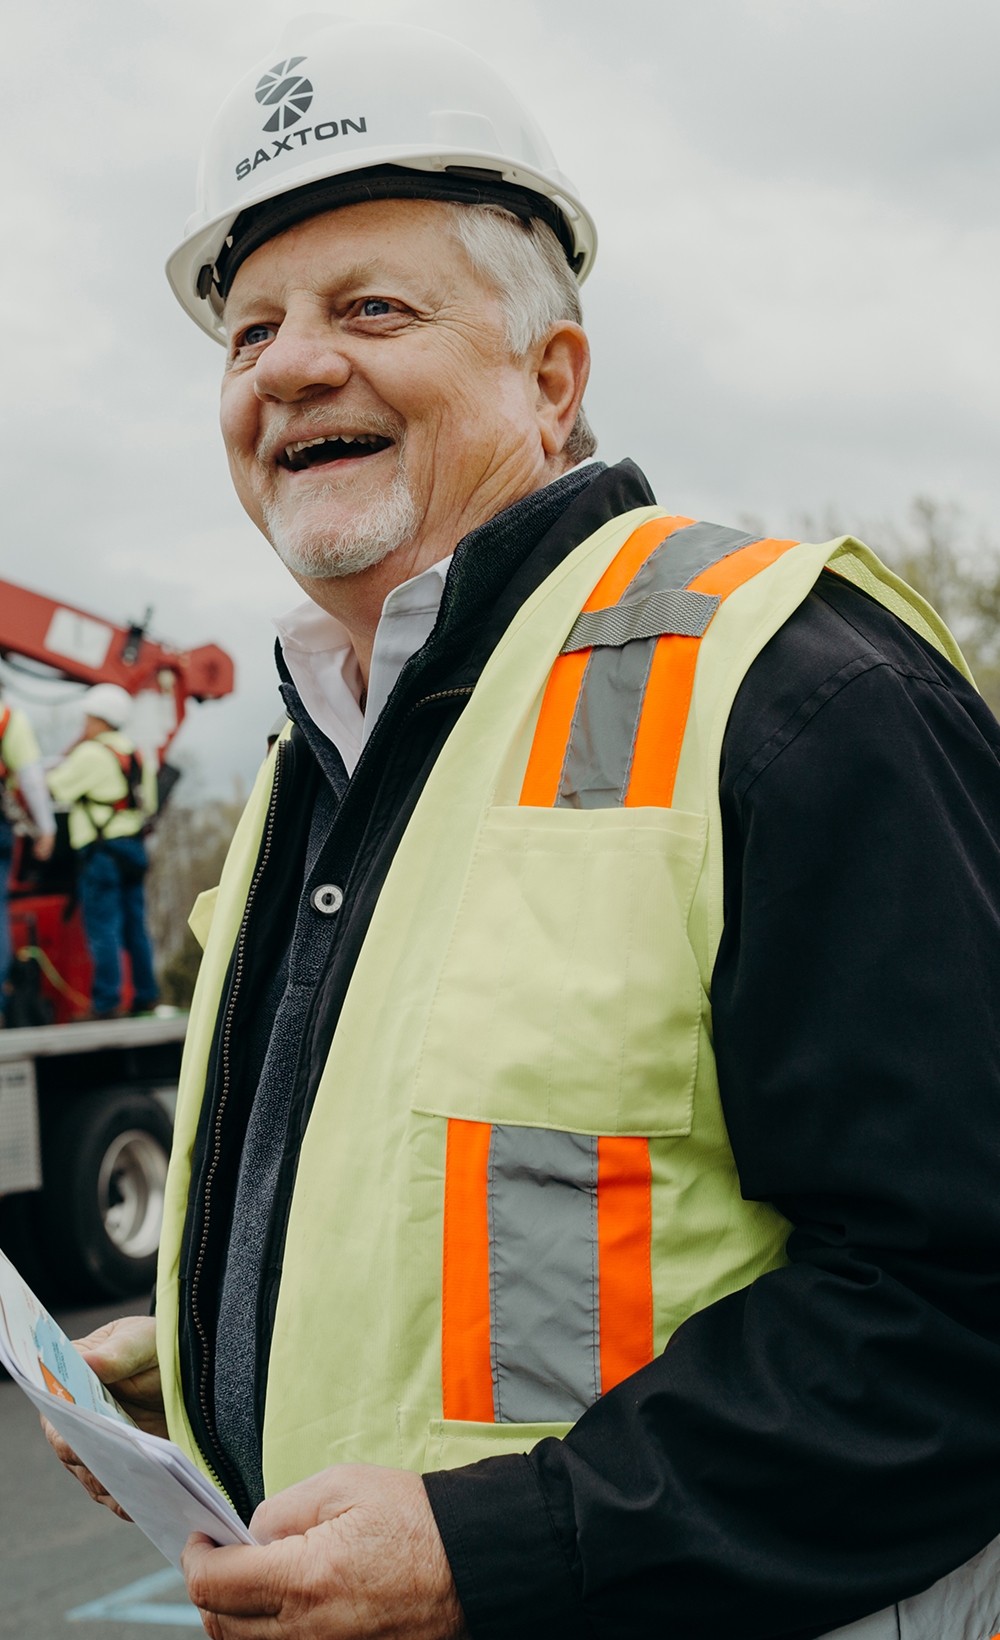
x=202, y=912
x=451, y=1443
x=570, y=995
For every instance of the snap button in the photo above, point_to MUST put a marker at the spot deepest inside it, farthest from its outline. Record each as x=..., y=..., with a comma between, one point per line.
x=327, y=898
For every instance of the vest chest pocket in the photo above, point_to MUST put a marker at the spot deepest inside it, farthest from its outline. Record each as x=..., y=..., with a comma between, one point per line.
x=570, y=997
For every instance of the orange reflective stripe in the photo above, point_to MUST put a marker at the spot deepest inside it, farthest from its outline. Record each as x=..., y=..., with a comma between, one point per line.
x=624, y=1177
x=555, y=720
x=627, y=563
x=729, y=573
x=662, y=722
x=667, y=701
x=466, y=1364
x=624, y=1236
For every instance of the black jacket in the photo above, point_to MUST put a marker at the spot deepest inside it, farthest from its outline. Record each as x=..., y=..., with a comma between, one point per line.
x=828, y=1440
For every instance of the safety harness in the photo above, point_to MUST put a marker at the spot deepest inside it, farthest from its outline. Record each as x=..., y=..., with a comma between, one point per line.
x=130, y=764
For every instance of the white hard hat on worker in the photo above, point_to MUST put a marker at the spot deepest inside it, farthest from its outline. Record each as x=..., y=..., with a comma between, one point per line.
x=352, y=112
x=110, y=703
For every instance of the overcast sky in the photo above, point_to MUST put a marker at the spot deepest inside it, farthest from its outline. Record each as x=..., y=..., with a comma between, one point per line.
x=794, y=305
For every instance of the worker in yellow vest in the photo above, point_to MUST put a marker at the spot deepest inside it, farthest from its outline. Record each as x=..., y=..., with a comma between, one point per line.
x=111, y=793
x=24, y=802
x=583, y=1216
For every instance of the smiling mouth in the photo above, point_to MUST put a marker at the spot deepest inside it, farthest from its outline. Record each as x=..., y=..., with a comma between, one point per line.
x=322, y=452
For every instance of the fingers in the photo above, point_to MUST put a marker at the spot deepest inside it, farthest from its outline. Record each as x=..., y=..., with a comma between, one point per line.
x=297, y=1508
x=62, y=1450
x=241, y=1589
x=123, y=1355
x=69, y=1460
x=121, y=1349
x=374, y=1564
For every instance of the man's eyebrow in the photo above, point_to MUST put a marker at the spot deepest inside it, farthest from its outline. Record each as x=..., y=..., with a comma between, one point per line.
x=370, y=272
x=360, y=273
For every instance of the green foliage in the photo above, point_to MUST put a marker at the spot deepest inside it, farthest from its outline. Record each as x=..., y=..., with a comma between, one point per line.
x=960, y=577
x=958, y=573
x=179, y=972
x=187, y=852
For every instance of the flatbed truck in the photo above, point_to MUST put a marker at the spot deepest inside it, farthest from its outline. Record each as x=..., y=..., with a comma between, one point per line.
x=86, y=1105
x=86, y=1119
x=86, y=1114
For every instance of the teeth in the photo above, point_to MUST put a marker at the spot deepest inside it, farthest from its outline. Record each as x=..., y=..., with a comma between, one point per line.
x=332, y=438
x=303, y=444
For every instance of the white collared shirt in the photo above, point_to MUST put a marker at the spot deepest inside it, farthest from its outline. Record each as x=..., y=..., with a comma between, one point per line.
x=324, y=668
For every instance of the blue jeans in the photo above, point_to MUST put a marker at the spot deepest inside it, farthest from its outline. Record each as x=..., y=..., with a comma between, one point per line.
x=114, y=916
x=5, y=953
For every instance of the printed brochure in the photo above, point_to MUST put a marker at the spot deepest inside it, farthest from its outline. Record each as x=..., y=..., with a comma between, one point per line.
x=152, y=1480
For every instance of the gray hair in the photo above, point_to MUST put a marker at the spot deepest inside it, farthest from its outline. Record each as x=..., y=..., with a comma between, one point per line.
x=526, y=266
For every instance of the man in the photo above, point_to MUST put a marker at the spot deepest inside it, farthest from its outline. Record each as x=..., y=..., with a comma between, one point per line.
x=537, y=1294
x=113, y=794
x=21, y=777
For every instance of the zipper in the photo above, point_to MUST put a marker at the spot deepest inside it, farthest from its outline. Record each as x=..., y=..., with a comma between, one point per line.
x=301, y=1096
x=238, y=1493
x=429, y=700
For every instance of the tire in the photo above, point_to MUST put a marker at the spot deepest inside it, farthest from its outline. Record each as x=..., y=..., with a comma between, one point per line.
x=101, y=1207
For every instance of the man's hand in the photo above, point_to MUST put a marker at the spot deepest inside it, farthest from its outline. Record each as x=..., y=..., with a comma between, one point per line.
x=42, y=846
x=123, y=1355
x=353, y=1552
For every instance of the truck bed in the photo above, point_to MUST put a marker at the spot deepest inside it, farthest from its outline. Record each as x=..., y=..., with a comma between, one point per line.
x=89, y=1036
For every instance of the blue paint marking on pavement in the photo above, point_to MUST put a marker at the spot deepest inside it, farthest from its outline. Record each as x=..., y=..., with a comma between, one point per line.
x=136, y=1603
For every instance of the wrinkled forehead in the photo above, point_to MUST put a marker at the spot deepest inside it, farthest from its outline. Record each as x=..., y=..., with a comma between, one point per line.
x=387, y=247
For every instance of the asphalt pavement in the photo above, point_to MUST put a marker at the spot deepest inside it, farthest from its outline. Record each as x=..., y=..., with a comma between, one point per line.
x=69, y=1569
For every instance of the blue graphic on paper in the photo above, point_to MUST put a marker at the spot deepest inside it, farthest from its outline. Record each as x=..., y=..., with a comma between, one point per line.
x=60, y=1359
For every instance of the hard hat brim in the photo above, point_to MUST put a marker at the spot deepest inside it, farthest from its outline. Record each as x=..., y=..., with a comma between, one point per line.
x=203, y=245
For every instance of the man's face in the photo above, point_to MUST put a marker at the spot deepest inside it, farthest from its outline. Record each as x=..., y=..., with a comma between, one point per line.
x=369, y=402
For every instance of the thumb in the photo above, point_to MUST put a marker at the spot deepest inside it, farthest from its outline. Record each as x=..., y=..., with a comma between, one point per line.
x=121, y=1349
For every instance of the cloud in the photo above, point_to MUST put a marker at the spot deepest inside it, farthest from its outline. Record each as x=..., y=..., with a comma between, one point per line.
x=794, y=303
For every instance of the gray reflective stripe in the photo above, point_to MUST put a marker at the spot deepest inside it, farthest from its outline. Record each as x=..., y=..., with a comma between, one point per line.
x=687, y=552
x=544, y=1313
x=599, y=753
x=595, y=772
x=679, y=614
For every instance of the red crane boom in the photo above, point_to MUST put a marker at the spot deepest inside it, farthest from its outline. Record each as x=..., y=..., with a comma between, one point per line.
x=89, y=649
x=46, y=930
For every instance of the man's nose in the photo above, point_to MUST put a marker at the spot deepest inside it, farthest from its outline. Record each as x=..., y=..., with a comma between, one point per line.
x=302, y=362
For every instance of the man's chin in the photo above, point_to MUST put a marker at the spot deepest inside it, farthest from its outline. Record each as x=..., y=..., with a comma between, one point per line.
x=331, y=542
x=328, y=558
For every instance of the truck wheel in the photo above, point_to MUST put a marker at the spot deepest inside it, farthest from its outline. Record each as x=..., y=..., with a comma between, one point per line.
x=102, y=1202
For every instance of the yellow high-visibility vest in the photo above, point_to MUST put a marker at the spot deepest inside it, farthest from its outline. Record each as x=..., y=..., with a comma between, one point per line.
x=516, y=1181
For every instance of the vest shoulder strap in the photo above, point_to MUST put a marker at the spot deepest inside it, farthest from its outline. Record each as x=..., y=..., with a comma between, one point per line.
x=130, y=764
x=615, y=709
x=4, y=724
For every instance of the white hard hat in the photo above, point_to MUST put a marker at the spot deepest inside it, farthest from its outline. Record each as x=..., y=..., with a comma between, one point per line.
x=391, y=111
x=109, y=702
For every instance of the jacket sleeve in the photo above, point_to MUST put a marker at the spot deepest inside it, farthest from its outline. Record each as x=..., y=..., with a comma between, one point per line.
x=826, y=1441
x=19, y=746
x=71, y=779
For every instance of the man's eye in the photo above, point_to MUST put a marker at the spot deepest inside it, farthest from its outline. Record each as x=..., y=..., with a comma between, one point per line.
x=374, y=307
x=255, y=335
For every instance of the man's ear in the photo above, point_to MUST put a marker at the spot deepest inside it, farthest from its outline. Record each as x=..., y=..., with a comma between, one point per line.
x=561, y=366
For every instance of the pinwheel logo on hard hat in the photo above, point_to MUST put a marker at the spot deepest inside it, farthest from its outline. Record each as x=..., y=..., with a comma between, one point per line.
x=288, y=93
